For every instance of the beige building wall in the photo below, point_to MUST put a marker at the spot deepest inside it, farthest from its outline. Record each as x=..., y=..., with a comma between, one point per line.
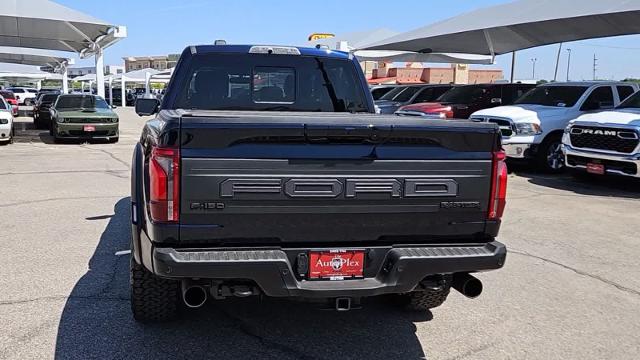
x=461, y=73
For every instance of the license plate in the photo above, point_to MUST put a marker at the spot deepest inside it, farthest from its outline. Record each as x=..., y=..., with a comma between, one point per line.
x=597, y=169
x=89, y=128
x=336, y=264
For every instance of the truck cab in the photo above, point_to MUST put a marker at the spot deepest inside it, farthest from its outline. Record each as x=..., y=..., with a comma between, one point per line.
x=532, y=127
x=265, y=171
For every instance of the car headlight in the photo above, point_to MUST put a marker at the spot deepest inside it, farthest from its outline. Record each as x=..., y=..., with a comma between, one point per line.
x=4, y=121
x=60, y=119
x=528, y=129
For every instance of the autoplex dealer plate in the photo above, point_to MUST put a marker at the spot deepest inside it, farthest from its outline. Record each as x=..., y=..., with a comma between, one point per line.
x=336, y=264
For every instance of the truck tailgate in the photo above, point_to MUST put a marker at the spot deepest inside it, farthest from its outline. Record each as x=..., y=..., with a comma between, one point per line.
x=320, y=180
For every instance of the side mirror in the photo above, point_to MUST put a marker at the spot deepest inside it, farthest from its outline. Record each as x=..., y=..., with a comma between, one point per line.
x=496, y=101
x=147, y=107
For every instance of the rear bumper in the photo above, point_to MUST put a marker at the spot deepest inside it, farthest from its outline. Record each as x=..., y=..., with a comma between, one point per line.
x=398, y=270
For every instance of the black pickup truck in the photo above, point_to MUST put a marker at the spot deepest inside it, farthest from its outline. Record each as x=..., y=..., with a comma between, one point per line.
x=266, y=172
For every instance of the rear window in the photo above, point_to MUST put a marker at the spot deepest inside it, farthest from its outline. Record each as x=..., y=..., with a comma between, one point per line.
x=631, y=102
x=49, y=98
x=17, y=91
x=625, y=91
x=7, y=95
x=272, y=82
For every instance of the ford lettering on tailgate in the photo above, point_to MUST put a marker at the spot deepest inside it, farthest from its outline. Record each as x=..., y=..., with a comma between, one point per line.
x=350, y=188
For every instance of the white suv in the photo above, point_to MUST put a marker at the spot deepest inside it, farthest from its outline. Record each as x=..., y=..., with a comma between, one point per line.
x=532, y=128
x=23, y=93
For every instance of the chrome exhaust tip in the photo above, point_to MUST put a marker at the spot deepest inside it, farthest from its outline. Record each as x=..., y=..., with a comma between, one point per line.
x=194, y=296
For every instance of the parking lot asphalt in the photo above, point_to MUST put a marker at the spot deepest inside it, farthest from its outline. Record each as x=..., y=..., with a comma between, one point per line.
x=570, y=288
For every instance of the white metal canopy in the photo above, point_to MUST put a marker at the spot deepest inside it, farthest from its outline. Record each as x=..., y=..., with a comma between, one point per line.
x=358, y=40
x=43, y=24
x=520, y=25
x=13, y=55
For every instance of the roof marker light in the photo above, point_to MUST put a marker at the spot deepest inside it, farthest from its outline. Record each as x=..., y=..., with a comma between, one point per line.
x=277, y=50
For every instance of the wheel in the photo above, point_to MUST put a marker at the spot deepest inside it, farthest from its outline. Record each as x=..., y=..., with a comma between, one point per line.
x=423, y=300
x=153, y=299
x=550, y=157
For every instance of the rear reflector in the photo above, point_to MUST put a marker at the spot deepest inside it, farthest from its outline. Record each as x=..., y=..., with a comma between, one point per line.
x=164, y=177
x=498, y=199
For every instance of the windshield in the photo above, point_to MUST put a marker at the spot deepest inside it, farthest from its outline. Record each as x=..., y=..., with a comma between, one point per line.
x=272, y=83
x=48, y=98
x=463, y=95
x=3, y=105
x=393, y=93
x=401, y=94
x=407, y=94
x=81, y=102
x=558, y=96
x=632, y=102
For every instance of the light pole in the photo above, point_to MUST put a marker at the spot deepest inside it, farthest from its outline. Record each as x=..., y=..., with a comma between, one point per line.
x=533, y=61
x=568, y=64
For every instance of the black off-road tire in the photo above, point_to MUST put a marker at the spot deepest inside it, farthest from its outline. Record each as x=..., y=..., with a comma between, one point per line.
x=153, y=299
x=423, y=300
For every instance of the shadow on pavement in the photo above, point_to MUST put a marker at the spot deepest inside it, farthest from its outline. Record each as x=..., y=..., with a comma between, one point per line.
x=96, y=321
x=585, y=184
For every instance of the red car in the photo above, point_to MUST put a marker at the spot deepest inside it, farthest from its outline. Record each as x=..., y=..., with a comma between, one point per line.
x=11, y=100
x=462, y=101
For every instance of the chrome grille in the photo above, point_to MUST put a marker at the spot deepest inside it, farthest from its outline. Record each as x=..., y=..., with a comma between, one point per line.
x=506, y=126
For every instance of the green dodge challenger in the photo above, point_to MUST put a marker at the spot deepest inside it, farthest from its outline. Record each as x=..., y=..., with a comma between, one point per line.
x=83, y=117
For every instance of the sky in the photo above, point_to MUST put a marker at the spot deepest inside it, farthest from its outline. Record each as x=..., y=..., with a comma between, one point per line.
x=160, y=27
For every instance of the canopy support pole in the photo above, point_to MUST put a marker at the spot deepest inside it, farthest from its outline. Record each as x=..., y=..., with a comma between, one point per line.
x=492, y=51
x=124, y=91
x=147, y=85
x=513, y=67
x=100, y=71
x=65, y=80
x=555, y=75
x=111, y=91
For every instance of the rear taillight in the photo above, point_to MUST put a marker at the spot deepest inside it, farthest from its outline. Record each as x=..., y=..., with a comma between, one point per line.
x=164, y=182
x=499, y=175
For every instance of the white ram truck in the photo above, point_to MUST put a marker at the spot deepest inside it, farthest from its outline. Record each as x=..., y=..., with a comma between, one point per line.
x=606, y=142
x=533, y=126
